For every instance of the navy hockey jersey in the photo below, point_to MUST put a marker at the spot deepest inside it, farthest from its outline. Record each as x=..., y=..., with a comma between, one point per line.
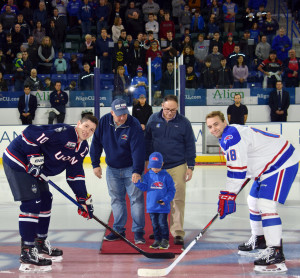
x=60, y=148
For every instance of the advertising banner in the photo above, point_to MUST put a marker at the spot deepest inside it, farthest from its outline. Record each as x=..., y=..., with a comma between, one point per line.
x=226, y=96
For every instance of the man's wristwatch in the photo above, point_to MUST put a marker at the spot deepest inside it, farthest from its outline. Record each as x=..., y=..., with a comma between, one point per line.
x=191, y=168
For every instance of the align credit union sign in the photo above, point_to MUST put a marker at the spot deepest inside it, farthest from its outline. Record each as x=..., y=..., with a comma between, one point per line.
x=226, y=96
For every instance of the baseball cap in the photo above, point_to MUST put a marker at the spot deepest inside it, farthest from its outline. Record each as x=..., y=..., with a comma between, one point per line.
x=229, y=35
x=119, y=107
x=142, y=96
x=155, y=160
x=139, y=69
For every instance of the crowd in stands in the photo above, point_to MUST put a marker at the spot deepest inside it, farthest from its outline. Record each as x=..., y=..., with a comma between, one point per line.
x=225, y=44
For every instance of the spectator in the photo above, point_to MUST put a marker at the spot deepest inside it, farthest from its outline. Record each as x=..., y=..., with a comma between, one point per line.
x=102, y=13
x=232, y=58
x=88, y=49
x=129, y=14
x=216, y=10
x=71, y=87
x=211, y=28
x=191, y=79
x=248, y=19
x=292, y=70
x=188, y=57
x=58, y=101
x=86, y=79
x=28, y=13
x=152, y=25
x=179, y=154
x=166, y=25
x=39, y=33
x=186, y=42
x=27, y=106
x=272, y=70
x=240, y=73
x=270, y=28
x=121, y=85
x=153, y=52
x=7, y=19
x=61, y=8
x=24, y=27
x=135, y=21
x=184, y=18
x=282, y=44
x=197, y=23
x=255, y=33
x=200, y=52
x=158, y=200
x=216, y=41
x=167, y=80
x=74, y=66
x=85, y=17
x=32, y=50
x=215, y=58
x=46, y=55
x=149, y=39
x=116, y=29
x=13, y=7
x=123, y=38
x=208, y=75
x=104, y=50
x=22, y=72
x=3, y=84
x=262, y=50
x=40, y=14
x=247, y=48
x=120, y=56
x=60, y=25
x=169, y=43
x=157, y=99
x=60, y=63
x=150, y=7
x=230, y=9
x=228, y=46
x=33, y=81
x=2, y=61
x=136, y=57
x=125, y=164
x=10, y=51
x=261, y=16
x=177, y=9
x=224, y=76
x=2, y=36
x=114, y=12
x=237, y=113
x=142, y=111
x=73, y=9
x=139, y=84
x=49, y=86
x=279, y=103
x=53, y=33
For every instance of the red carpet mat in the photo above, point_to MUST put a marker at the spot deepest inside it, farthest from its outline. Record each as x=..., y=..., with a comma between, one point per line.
x=121, y=247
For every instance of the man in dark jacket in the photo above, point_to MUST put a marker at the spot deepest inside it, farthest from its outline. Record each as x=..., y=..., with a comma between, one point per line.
x=27, y=106
x=104, y=49
x=86, y=79
x=33, y=81
x=224, y=76
x=167, y=80
x=142, y=111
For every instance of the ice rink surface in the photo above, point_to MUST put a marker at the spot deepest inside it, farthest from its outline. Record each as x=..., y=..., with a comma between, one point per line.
x=214, y=255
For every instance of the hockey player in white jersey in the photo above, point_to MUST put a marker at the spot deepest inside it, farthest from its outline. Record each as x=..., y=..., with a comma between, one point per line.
x=47, y=150
x=272, y=162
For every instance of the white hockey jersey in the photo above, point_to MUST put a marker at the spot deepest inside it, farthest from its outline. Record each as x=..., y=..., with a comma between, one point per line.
x=253, y=153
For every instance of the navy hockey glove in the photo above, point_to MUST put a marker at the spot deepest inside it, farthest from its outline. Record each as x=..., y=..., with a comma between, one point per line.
x=226, y=204
x=35, y=165
x=88, y=206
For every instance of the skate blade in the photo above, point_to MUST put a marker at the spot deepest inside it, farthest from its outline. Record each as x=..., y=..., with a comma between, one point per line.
x=55, y=259
x=31, y=268
x=253, y=254
x=275, y=268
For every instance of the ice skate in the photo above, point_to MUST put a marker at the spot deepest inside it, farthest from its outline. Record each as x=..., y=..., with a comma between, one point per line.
x=253, y=247
x=32, y=262
x=271, y=260
x=45, y=250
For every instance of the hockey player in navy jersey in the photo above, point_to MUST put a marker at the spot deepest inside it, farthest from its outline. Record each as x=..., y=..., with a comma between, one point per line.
x=47, y=150
x=272, y=162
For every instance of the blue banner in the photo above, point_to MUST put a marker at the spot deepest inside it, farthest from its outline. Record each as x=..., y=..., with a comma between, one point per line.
x=195, y=97
x=9, y=99
x=86, y=98
x=263, y=95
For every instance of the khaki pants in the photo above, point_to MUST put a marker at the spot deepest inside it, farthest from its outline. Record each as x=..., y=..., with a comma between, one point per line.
x=178, y=203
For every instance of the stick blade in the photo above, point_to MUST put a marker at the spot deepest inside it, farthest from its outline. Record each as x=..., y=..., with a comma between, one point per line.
x=167, y=255
x=146, y=272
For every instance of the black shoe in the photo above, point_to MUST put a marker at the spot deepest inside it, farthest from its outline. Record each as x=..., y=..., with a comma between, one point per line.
x=43, y=246
x=164, y=244
x=178, y=240
x=29, y=255
x=113, y=237
x=151, y=236
x=255, y=242
x=155, y=244
x=270, y=256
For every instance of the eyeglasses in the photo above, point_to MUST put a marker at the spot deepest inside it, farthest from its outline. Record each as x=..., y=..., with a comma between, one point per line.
x=167, y=110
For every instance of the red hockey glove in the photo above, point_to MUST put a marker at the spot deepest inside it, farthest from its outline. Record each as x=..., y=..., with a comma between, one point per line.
x=35, y=165
x=226, y=204
x=87, y=205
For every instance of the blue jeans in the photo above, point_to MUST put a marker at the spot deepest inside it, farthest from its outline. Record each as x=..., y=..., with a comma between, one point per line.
x=160, y=225
x=119, y=182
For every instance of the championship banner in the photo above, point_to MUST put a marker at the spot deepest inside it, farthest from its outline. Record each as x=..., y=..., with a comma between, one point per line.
x=226, y=96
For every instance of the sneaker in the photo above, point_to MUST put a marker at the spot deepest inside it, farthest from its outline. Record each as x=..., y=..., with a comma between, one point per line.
x=255, y=242
x=139, y=238
x=164, y=244
x=155, y=244
x=113, y=237
x=178, y=240
x=29, y=255
x=271, y=255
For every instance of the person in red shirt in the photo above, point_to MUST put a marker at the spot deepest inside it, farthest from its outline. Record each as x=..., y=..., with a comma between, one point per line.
x=292, y=69
x=228, y=46
x=153, y=51
x=166, y=26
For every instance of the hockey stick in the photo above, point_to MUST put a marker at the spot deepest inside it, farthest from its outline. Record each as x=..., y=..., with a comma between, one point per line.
x=167, y=255
x=146, y=272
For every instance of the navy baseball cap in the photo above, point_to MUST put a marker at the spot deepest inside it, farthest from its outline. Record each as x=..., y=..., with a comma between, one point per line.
x=119, y=107
x=155, y=160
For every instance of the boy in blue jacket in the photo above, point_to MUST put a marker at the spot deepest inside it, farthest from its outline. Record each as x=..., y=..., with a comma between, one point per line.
x=161, y=191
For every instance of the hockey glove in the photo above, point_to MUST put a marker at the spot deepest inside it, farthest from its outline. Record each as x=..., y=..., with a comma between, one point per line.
x=35, y=165
x=88, y=206
x=226, y=204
